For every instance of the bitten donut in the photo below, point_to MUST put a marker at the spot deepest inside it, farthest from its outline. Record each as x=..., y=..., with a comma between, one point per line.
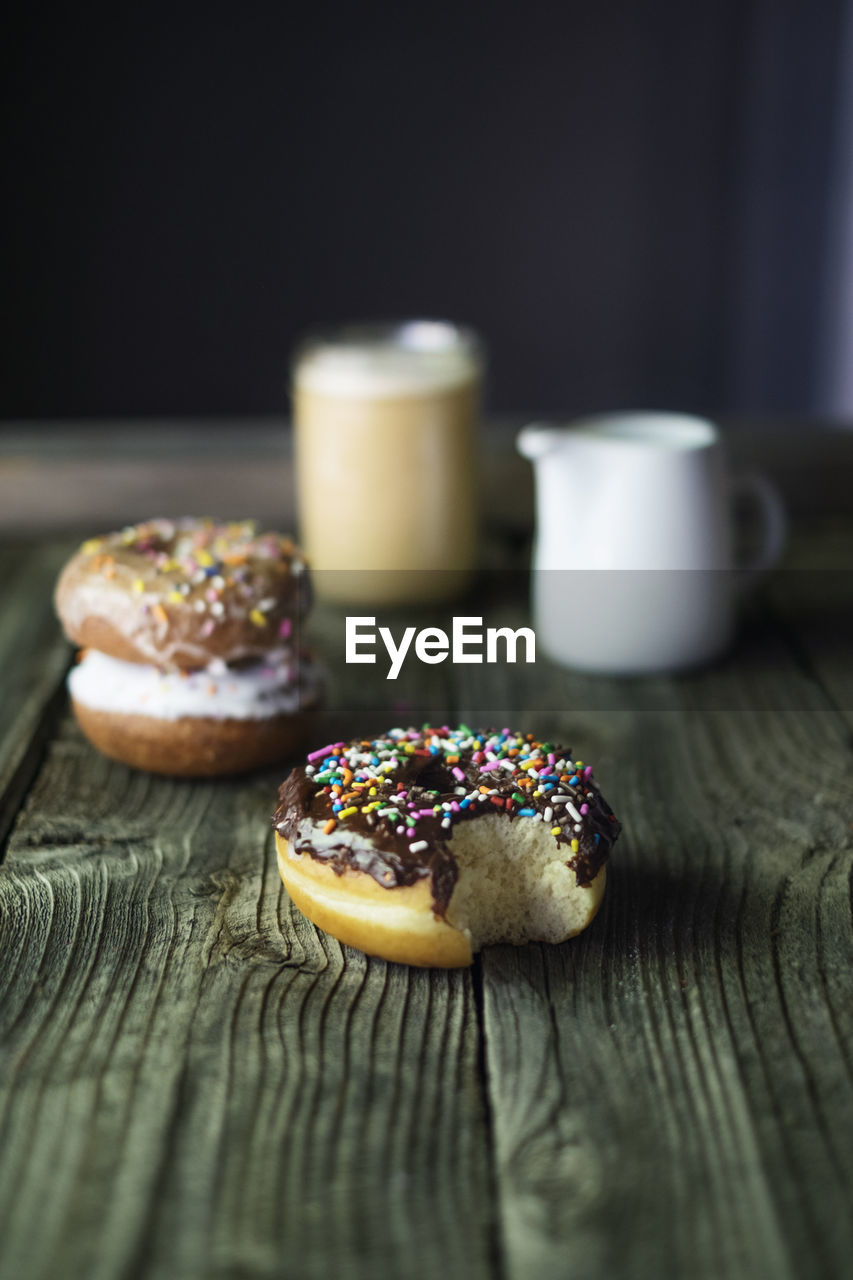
x=190, y=663
x=425, y=846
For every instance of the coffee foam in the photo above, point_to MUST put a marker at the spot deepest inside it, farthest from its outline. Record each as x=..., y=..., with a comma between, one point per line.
x=277, y=686
x=418, y=358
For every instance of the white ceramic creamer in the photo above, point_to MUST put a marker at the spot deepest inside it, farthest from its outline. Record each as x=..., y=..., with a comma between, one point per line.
x=633, y=568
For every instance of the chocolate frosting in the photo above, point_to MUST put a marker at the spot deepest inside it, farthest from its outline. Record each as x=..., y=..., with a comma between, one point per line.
x=389, y=807
x=178, y=593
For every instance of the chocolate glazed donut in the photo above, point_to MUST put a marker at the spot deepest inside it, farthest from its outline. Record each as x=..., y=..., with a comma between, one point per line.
x=424, y=846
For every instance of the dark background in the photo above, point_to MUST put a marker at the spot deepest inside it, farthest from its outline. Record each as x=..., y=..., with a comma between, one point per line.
x=630, y=201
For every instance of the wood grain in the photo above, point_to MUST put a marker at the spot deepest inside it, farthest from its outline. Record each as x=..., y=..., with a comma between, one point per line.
x=33, y=662
x=670, y=1092
x=194, y=1082
x=812, y=598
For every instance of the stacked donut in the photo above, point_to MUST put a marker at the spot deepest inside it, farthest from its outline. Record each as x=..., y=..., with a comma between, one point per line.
x=190, y=660
x=423, y=846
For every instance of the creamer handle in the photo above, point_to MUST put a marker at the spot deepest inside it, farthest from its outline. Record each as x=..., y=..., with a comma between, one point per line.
x=765, y=498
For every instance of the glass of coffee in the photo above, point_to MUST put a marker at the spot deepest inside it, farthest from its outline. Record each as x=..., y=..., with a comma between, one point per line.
x=385, y=422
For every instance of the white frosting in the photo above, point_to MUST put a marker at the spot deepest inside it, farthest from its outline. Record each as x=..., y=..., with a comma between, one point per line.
x=422, y=356
x=279, y=685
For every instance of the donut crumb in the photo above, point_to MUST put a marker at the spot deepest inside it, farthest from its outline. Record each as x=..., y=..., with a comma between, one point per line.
x=514, y=884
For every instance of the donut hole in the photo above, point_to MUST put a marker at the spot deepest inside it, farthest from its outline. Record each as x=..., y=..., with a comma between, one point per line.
x=435, y=776
x=514, y=884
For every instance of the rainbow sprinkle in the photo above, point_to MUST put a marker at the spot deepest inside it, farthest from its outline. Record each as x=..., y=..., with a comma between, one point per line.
x=217, y=569
x=564, y=797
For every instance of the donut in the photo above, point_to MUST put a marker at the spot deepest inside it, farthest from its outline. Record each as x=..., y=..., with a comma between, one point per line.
x=424, y=846
x=189, y=659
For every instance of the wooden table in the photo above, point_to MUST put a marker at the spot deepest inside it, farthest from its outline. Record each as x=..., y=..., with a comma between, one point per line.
x=195, y=1083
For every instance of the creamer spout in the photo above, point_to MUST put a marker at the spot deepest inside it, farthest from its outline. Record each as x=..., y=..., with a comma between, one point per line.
x=537, y=440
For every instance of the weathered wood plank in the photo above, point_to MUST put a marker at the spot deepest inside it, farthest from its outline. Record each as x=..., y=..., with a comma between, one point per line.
x=671, y=1091
x=33, y=662
x=193, y=1081
x=812, y=597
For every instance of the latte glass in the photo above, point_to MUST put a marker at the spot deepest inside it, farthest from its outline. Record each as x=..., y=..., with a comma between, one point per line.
x=385, y=422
